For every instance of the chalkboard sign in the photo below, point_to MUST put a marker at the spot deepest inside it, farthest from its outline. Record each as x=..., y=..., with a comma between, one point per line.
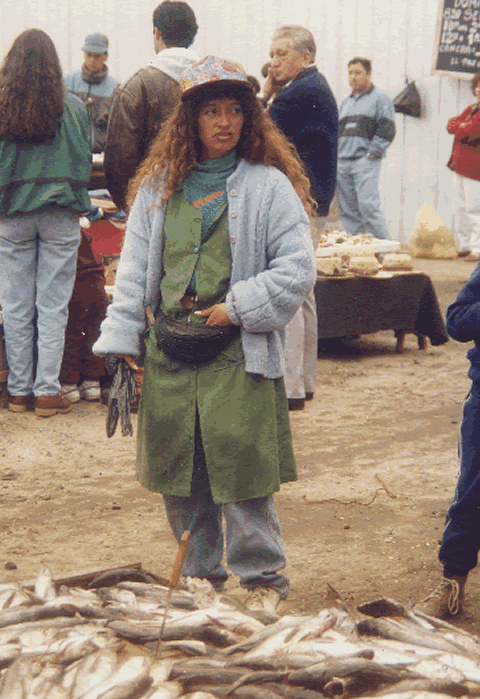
x=457, y=45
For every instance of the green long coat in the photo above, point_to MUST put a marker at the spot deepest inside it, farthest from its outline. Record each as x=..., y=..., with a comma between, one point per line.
x=243, y=417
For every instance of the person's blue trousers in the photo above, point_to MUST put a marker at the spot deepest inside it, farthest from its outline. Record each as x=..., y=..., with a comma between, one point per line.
x=359, y=198
x=38, y=259
x=254, y=545
x=461, y=537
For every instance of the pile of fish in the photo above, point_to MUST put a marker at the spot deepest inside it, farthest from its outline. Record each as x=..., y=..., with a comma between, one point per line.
x=103, y=642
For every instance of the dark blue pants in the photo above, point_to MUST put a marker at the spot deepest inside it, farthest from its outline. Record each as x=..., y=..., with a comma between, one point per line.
x=461, y=537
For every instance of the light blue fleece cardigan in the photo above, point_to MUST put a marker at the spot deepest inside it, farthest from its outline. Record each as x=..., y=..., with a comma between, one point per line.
x=273, y=267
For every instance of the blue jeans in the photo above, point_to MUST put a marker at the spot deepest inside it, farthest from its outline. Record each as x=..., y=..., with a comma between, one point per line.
x=254, y=543
x=461, y=537
x=359, y=198
x=38, y=257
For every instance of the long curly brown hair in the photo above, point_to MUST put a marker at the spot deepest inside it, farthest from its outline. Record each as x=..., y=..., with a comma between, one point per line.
x=31, y=89
x=178, y=147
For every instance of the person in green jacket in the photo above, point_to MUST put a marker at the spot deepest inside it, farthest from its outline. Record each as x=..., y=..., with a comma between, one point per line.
x=46, y=163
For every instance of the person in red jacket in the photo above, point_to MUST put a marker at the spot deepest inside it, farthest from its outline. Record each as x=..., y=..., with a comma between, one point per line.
x=465, y=163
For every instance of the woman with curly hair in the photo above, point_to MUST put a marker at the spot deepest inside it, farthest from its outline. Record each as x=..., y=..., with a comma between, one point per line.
x=46, y=164
x=218, y=237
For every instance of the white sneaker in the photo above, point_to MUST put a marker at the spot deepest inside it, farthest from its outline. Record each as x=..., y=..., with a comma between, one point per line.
x=90, y=390
x=70, y=391
x=264, y=598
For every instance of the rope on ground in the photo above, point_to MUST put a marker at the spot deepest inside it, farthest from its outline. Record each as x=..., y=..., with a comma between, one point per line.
x=355, y=502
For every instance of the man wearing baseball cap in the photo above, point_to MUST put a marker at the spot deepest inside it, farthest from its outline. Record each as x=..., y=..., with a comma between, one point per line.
x=95, y=87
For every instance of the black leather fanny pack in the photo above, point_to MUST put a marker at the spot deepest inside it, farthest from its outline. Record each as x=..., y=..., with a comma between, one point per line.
x=192, y=343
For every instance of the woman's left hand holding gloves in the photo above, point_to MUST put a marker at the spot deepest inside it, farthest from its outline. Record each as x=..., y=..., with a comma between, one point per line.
x=124, y=391
x=139, y=370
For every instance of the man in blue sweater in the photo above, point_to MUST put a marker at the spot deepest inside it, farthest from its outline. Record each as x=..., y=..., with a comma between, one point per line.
x=367, y=128
x=303, y=106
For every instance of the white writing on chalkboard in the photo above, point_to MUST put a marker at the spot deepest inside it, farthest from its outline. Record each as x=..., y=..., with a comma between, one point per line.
x=466, y=4
x=458, y=48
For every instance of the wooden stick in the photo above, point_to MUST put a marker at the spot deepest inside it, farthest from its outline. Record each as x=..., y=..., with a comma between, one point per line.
x=84, y=576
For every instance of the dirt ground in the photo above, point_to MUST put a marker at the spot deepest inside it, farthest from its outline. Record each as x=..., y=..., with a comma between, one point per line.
x=377, y=460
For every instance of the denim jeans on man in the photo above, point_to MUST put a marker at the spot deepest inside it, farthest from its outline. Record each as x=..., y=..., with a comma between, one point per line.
x=38, y=255
x=359, y=196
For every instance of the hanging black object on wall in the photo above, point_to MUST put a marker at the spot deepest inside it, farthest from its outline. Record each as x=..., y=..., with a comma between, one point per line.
x=408, y=100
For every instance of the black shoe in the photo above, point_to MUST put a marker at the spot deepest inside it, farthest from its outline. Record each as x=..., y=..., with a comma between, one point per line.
x=296, y=403
x=309, y=395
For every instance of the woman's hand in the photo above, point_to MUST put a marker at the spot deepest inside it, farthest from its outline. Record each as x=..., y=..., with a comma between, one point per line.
x=216, y=315
x=139, y=371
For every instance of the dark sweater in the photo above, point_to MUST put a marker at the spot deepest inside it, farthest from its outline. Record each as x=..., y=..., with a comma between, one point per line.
x=307, y=114
x=463, y=320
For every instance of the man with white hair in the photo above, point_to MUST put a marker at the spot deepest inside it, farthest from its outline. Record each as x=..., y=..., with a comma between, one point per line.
x=303, y=106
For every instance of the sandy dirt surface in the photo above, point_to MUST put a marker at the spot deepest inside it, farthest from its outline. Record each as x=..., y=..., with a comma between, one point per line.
x=377, y=459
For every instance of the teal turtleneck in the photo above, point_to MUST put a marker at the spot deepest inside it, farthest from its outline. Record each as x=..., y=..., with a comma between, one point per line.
x=206, y=187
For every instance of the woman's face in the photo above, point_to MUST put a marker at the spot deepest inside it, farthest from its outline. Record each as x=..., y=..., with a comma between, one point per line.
x=476, y=91
x=220, y=124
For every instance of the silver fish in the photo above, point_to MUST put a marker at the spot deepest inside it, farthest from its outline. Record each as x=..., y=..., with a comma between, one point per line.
x=433, y=668
x=205, y=674
x=390, y=652
x=446, y=687
x=180, y=598
x=88, y=674
x=160, y=671
x=13, y=596
x=167, y=690
x=112, y=594
x=45, y=679
x=17, y=681
x=188, y=646
x=256, y=692
x=44, y=586
x=399, y=631
x=272, y=636
x=8, y=653
x=313, y=627
x=126, y=680
x=469, y=667
x=362, y=673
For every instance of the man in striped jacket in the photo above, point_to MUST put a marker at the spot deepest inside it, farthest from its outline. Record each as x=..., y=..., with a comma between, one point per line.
x=367, y=128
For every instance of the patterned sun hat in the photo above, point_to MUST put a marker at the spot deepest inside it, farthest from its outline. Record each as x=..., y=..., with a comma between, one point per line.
x=209, y=70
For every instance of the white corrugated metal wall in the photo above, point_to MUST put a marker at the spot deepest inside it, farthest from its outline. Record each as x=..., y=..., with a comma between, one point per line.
x=397, y=36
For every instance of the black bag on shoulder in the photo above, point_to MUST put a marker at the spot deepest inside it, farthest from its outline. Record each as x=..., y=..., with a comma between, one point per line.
x=408, y=100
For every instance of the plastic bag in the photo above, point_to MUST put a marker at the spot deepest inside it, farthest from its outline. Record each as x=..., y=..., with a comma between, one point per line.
x=408, y=101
